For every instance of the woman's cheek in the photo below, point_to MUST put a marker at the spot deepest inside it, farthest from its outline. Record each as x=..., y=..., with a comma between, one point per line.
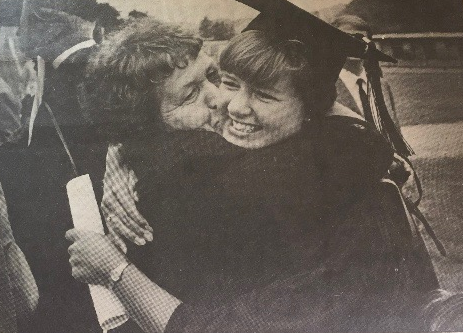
x=225, y=96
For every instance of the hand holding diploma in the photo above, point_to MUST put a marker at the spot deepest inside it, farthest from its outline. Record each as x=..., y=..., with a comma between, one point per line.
x=93, y=257
x=90, y=250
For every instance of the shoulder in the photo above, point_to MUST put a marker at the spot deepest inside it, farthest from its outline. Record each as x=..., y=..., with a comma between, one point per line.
x=353, y=146
x=340, y=110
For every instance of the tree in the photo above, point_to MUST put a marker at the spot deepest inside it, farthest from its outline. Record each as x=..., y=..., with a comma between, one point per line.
x=90, y=10
x=222, y=30
x=107, y=16
x=135, y=14
x=409, y=15
x=205, y=28
x=216, y=30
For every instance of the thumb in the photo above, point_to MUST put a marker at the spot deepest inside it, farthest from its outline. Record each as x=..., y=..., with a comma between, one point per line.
x=74, y=234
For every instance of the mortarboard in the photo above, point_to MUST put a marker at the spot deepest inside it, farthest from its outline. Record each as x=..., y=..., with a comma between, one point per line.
x=328, y=49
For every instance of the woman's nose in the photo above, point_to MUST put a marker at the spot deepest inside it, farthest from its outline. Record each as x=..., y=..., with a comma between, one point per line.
x=211, y=95
x=239, y=104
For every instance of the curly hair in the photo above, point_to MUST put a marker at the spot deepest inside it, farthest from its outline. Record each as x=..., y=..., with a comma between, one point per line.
x=123, y=75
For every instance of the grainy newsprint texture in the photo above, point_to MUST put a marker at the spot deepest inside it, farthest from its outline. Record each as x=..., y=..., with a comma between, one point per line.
x=231, y=166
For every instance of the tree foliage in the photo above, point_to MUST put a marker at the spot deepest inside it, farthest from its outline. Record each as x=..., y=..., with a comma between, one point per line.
x=135, y=14
x=216, y=30
x=90, y=10
x=409, y=15
x=205, y=28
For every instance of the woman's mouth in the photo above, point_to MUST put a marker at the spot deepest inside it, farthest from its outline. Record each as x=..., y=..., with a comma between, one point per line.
x=245, y=128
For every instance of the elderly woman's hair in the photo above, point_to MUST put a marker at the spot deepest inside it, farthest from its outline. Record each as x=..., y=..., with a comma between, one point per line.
x=124, y=74
x=260, y=59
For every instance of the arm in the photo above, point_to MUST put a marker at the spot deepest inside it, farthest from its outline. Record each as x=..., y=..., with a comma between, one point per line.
x=147, y=303
x=94, y=257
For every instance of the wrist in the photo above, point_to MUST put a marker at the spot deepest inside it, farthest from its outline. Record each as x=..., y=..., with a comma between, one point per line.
x=115, y=275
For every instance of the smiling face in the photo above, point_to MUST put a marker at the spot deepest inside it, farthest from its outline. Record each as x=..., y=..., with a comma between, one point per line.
x=188, y=98
x=258, y=116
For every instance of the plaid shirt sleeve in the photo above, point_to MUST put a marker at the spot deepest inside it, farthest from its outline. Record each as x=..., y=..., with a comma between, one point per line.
x=119, y=196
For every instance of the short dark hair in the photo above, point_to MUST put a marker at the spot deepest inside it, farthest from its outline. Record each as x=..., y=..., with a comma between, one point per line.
x=354, y=21
x=260, y=59
x=123, y=75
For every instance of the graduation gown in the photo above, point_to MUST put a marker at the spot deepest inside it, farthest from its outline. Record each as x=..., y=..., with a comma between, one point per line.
x=273, y=240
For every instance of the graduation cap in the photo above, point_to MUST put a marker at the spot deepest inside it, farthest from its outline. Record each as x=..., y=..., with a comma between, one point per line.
x=328, y=49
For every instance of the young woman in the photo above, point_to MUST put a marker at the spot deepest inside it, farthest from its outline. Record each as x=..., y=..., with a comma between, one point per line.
x=263, y=231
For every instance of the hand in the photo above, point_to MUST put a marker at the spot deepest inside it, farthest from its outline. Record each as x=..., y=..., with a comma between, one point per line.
x=119, y=203
x=125, y=221
x=93, y=257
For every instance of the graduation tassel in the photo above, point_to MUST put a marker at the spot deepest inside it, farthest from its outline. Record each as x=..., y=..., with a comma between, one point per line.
x=61, y=137
x=381, y=116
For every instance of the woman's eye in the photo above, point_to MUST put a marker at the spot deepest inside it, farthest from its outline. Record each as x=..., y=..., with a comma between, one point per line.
x=191, y=97
x=230, y=84
x=264, y=96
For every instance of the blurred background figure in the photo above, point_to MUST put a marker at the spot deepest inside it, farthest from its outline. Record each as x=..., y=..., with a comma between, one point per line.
x=18, y=291
x=17, y=84
x=34, y=174
x=352, y=83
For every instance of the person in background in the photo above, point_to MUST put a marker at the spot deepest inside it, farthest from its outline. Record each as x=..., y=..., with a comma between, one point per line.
x=16, y=86
x=352, y=90
x=352, y=84
x=34, y=176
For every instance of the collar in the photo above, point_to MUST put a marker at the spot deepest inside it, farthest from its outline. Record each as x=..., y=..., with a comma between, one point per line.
x=349, y=77
x=66, y=54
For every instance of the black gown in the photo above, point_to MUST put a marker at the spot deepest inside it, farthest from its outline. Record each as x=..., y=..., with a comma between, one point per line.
x=233, y=226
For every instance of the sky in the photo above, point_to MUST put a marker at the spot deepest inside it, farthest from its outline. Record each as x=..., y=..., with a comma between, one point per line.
x=194, y=10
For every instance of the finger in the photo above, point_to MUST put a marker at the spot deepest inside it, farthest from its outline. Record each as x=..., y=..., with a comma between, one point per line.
x=122, y=230
x=133, y=225
x=77, y=273
x=129, y=214
x=74, y=261
x=141, y=221
x=74, y=234
x=72, y=249
x=114, y=237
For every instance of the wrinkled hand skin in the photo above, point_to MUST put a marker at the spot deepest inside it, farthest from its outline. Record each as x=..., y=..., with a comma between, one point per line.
x=128, y=224
x=119, y=204
x=93, y=257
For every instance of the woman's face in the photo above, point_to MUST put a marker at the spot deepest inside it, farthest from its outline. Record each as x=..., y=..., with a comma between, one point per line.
x=257, y=116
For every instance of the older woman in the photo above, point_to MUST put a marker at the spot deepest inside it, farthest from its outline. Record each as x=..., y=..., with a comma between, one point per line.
x=252, y=236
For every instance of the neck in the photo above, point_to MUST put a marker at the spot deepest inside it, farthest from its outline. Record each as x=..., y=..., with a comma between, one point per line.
x=354, y=66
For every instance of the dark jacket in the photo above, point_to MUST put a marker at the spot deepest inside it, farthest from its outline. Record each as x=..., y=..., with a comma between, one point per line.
x=34, y=179
x=275, y=239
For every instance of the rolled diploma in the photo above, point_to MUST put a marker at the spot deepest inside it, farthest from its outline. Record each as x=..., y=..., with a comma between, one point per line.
x=86, y=216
